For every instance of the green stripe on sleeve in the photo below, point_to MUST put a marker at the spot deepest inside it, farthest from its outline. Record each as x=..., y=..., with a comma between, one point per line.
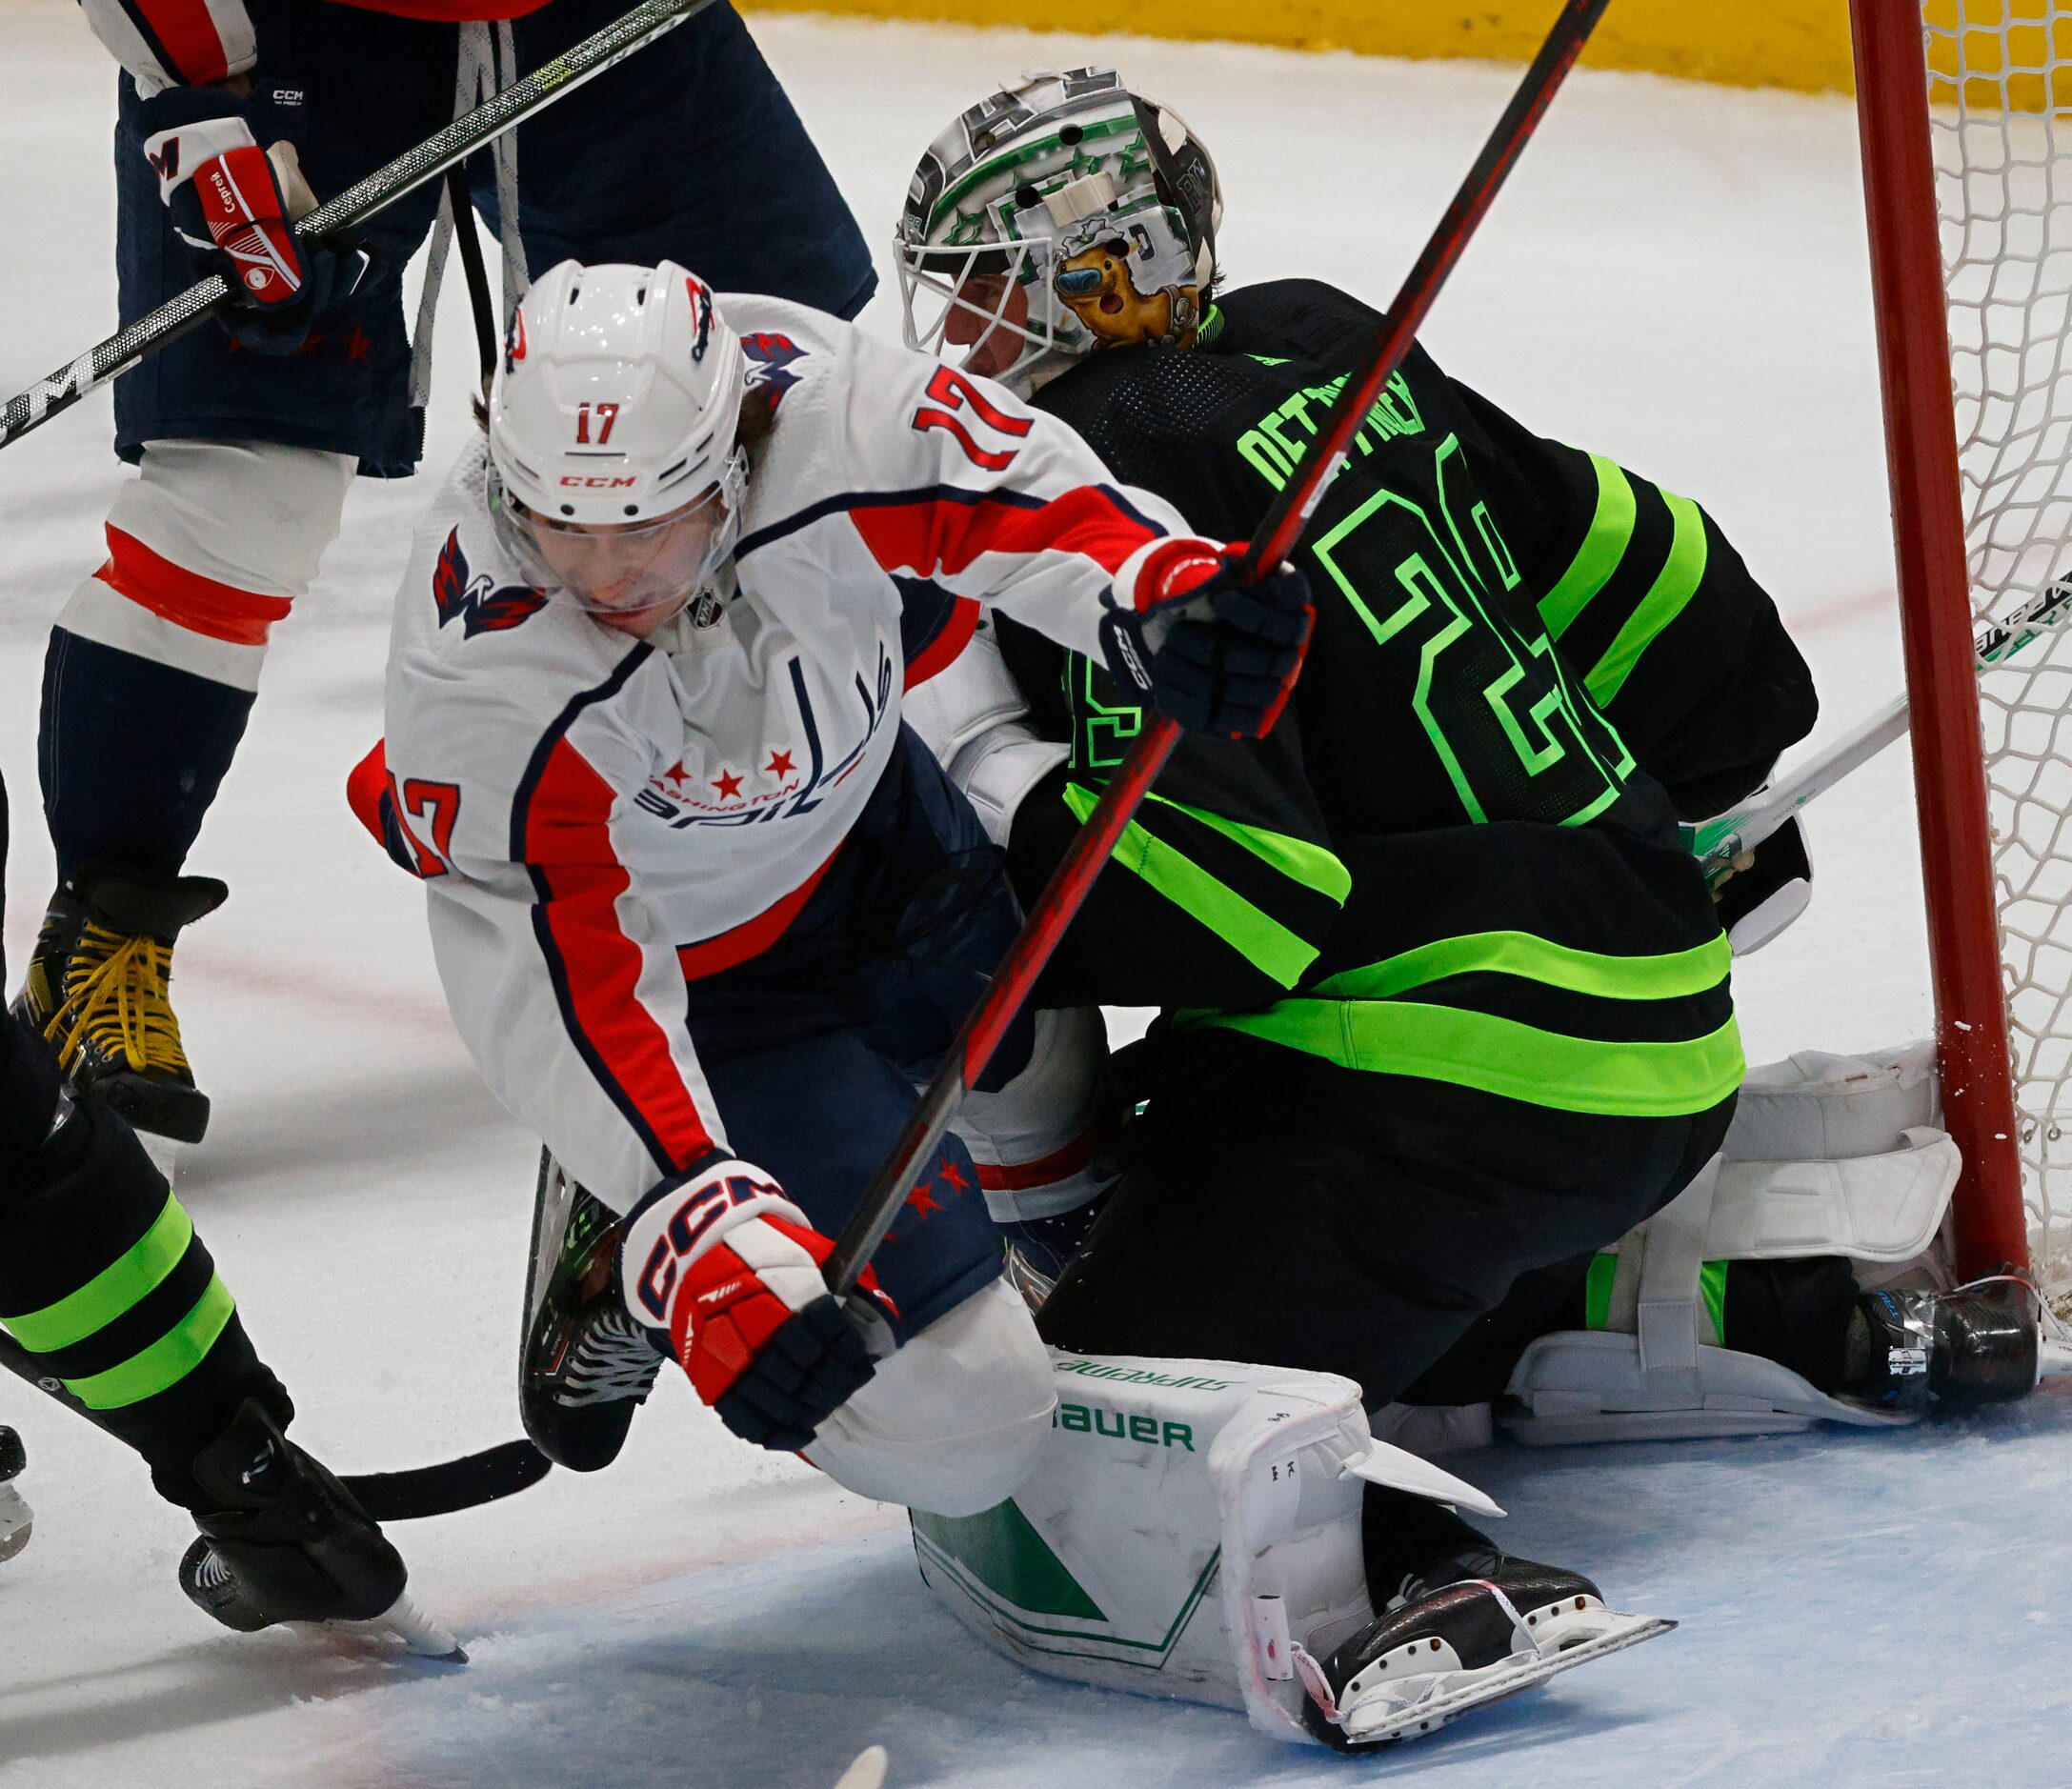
x=115, y=1290
x=167, y=1361
x=1258, y=936
x=1597, y=1291
x=1674, y=586
x=1501, y=1056
x=1311, y=866
x=1603, y=547
x=1669, y=977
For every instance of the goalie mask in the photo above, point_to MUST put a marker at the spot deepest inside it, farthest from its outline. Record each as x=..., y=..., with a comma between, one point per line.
x=615, y=476
x=1059, y=215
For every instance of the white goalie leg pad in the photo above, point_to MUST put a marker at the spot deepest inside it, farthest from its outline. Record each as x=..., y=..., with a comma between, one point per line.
x=1036, y=1141
x=952, y=1421
x=1826, y=1155
x=1185, y=1525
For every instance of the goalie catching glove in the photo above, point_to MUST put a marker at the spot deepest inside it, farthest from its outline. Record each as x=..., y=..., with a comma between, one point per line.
x=1218, y=655
x=731, y=1269
x=235, y=205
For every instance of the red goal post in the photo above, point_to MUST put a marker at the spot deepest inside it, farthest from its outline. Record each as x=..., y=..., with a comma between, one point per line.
x=1968, y=191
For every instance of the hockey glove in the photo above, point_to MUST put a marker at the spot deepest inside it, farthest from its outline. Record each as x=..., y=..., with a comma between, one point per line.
x=1218, y=655
x=731, y=1269
x=233, y=204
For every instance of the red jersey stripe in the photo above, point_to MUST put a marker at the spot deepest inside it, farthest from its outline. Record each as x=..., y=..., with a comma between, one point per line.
x=568, y=848
x=188, y=33
x=941, y=653
x=751, y=937
x=240, y=617
x=937, y=533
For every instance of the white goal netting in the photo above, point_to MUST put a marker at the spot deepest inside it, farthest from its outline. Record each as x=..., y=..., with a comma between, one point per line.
x=2001, y=89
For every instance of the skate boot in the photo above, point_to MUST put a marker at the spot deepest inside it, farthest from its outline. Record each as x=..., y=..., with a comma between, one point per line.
x=587, y=1366
x=97, y=993
x=283, y=1540
x=1038, y=1249
x=1471, y=1627
x=1979, y=1344
x=15, y=1516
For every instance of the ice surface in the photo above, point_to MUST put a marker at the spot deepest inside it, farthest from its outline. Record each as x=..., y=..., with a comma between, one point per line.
x=1675, y=276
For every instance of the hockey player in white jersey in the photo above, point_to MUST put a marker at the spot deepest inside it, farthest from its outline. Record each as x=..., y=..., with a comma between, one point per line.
x=704, y=909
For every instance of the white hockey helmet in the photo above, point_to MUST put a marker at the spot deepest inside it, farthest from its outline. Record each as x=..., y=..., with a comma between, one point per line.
x=1059, y=215
x=614, y=470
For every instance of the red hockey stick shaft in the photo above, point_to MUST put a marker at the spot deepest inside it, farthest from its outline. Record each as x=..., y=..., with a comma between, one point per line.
x=1066, y=891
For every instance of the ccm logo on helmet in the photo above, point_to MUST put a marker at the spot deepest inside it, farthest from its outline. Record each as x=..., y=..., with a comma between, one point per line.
x=595, y=484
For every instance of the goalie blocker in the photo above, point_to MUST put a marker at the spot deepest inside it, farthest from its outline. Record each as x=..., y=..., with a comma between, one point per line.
x=1233, y=1534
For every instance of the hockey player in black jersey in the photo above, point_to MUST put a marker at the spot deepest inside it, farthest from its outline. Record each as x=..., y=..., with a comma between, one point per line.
x=109, y=1292
x=1444, y=1000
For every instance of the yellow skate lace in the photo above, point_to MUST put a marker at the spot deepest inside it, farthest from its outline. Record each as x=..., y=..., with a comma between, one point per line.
x=115, y=1000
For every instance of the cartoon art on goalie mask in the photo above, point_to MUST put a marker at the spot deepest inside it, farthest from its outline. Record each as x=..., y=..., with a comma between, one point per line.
x=1059, y=215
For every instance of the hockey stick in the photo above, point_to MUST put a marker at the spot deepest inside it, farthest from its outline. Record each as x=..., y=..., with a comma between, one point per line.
x=1717, y=843
x=354, y=207
x=1272, y=542
x=388, y=1496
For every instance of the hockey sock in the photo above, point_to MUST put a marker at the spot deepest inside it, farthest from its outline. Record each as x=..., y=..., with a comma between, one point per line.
x=131, y=753
x=105, y=1282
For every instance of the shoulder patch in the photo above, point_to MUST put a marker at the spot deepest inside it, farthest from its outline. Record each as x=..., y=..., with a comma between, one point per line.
x=481, y=609
x=769, y=361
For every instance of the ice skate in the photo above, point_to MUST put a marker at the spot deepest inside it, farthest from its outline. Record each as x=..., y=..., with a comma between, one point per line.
x=17, y=1519
x=98, y=992
x=1980, y=1343
x=286, y=1541
x=586, y=1365
x=1501, y=1626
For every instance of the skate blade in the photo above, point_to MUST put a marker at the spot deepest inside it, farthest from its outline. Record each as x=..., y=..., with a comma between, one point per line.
x=867, y=1771
x=2052, y=1357
x=1453, y=1693
x=403, y=1620
x=16, y=1521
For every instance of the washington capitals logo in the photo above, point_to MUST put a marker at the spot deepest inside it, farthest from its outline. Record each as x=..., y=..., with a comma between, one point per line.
x=702, y=308
x=481, y=609
x=770, y=359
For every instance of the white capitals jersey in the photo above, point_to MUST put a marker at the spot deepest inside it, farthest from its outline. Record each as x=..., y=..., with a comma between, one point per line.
x=598, y=818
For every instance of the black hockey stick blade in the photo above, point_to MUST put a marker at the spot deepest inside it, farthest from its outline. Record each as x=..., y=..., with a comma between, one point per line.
x=388, y=1496
x=451, y=1485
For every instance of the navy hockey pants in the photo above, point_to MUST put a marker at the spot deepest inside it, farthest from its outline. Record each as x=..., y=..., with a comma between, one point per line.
x=814, y=1049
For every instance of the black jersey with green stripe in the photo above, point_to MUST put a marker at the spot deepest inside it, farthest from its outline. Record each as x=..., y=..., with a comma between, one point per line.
x=1449, y=860
x=1646, y=601
x=1432, y=696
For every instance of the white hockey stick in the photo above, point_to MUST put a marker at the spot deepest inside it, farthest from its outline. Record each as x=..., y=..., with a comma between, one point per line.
x=1717, y=843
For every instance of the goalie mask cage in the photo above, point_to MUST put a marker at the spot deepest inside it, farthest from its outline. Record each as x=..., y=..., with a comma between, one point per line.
x=1965, y=113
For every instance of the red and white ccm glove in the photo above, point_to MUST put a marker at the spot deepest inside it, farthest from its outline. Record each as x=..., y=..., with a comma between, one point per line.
x=235, y=208
x=731, y=1269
